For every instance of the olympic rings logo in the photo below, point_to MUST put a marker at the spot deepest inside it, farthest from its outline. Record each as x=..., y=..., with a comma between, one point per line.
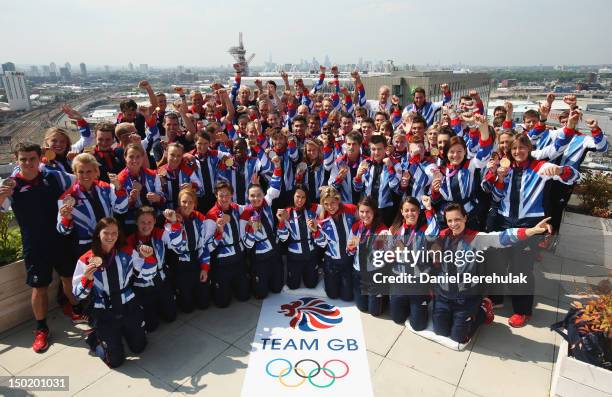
x=307, y=374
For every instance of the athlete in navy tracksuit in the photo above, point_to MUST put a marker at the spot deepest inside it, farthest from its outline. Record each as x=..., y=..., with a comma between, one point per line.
x=519, y=191
x=459, y=308
x=413, y=228
x=105, y=273
x=332, y=234
x=228, y=267
x=361, y=241
x=32, y=194
x=303, y=256
x=155, y=294
x=260, y=237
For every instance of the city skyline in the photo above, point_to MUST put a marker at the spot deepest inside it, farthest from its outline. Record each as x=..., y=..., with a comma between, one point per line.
x=100, y=34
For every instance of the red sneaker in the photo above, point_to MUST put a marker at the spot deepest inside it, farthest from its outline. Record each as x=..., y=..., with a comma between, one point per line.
x=518, y=320
x=40, y=344
x=487, y=306
x=79, y=318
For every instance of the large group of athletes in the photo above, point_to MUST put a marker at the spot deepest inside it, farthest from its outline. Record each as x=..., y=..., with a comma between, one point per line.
x=235, y=194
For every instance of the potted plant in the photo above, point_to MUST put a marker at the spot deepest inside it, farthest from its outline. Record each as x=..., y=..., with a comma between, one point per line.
x=595, y=191
x=584, y=362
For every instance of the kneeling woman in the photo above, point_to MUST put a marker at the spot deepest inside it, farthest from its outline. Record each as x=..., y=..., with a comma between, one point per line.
x=105, y=273
x=302, y=253
x=459, y=308
x=412, y=229
x=361, y=242
x=331, y=233
x=156, y=295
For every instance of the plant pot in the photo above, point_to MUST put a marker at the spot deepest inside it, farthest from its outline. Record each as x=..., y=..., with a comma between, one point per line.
x=574, y=378
x=15, y=295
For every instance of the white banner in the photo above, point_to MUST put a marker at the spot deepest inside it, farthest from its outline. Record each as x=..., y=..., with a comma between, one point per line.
x=307, y=345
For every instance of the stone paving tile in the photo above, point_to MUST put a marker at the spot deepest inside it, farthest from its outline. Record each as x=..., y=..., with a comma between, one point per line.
x=72, y=361
x=245, y=343
x=489, y=374
x=429, y=357
x=533, y=343
x=228, y=324
x=396, y=380
x=182, y=352
x=127, y=380
x=16, y=352
x=221, y=377
x=380, y=333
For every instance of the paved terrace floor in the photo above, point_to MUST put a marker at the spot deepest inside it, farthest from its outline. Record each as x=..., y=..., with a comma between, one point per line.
x=206, y=353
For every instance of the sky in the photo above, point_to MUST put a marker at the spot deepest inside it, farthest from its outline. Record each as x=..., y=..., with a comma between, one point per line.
x=198, y=33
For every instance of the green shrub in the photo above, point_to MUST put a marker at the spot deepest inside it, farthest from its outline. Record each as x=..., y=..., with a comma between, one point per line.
x=10, y=240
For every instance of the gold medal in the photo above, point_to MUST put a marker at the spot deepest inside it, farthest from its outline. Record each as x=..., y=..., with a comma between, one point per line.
x=434, y=151
x=228, y=161
x=137, y=186
x=10, y=182
x=49, y=154
x=69, y=201
x=96, y=261
x=505, y=162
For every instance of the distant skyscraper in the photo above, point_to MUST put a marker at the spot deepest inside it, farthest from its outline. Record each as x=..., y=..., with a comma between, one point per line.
x=64, y=73
x=327, y=62
x=34, y=71
x=83, y=69
x=106, y=68
x=67, y=66
x=144, y=68
x=52, y=69
x=16, y=90
x=45, y=70
x=131, y=67
x=8, y=67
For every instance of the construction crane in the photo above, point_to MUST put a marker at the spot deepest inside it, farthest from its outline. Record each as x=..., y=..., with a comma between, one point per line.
x=239, y=53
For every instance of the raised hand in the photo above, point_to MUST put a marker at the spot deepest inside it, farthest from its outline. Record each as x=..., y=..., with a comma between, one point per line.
x=426, y=200
x=170, y=215
x=153, y=197
x=179, y=90
x=475, y=95
x=322, y=69
x=282, y=215
x=592, y=123
x=144, y=84
x=71, y=113
x=570, y=100
x=237, y=67
x=145, y=251
x=334, y=70
x=312, y=224
x=395, y=100
x=444, y=87
x=550, y=98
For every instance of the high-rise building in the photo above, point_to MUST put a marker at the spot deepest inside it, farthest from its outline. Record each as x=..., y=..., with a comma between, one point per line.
x=64, y=73
x=45, y=70
x=34, y=71
x=67, y=66
x=16, y=90
x=106, y=68
x=52, y=69
x=8, y=67
x=131, y=67
x=144, y=68
x=83, y=69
